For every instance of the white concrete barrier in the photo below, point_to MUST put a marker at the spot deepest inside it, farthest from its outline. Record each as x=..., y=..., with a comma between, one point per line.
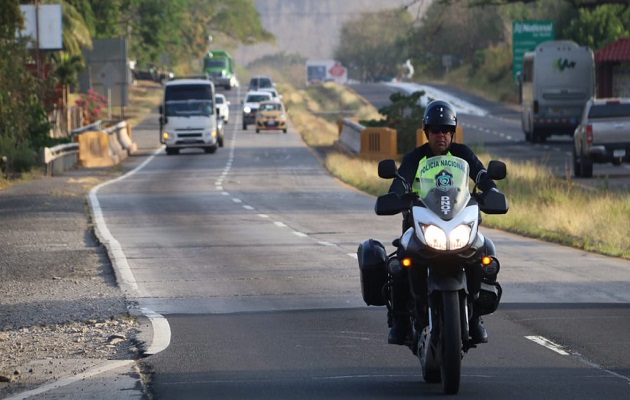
x=350, y=136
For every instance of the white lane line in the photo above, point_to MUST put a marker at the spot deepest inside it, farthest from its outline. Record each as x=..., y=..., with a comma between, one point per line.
x=559, y=349
x=279, y=224
x=548, y=344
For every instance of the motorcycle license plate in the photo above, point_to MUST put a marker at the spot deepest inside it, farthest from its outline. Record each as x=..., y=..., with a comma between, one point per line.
x=619, y=153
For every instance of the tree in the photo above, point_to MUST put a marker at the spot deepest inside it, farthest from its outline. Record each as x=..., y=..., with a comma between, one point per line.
x=452, y=34
x=374, y=44
x=587, y=4
x=11, y=20
x=75, y=33
x=597, y=27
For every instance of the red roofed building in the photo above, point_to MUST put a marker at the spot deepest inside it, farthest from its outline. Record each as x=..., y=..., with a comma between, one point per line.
x=612, y=63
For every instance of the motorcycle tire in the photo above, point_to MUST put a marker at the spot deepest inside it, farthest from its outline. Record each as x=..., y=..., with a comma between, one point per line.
x=428, y=358
x=450, y=342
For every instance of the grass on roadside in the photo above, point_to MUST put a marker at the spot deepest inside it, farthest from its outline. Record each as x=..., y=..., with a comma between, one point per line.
x=541, y=206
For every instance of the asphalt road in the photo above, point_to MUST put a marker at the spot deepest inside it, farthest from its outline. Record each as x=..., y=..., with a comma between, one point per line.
x=249, y=254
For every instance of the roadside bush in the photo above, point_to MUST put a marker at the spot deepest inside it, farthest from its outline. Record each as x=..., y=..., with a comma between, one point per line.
x=92, y=105
x=20, y=157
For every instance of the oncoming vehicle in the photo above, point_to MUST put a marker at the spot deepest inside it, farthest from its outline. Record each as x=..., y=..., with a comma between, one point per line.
x=274, y=94
x=188, y=117
x=251, y=104
x=219, y=65
x=557, y=79
x=260, y=82
x=223, y=107
x=271, y=115
x=442, y=253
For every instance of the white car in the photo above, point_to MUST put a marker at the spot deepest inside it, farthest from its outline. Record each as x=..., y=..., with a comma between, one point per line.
x=274, y=93
x=250, y=106
x=223, y=105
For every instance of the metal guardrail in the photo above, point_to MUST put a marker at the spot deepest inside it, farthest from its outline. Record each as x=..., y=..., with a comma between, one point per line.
x=60, y=158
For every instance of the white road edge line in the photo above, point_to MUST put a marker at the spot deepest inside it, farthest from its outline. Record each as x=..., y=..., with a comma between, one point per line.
x=99, y=369
x=161, y=328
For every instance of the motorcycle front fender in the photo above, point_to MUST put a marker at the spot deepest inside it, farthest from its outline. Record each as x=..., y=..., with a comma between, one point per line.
x=451, y=282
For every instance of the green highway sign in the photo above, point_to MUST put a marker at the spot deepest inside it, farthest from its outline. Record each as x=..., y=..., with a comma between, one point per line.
x=525, y=36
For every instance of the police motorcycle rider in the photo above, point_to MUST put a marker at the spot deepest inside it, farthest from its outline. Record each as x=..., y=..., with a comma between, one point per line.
x=439, y=124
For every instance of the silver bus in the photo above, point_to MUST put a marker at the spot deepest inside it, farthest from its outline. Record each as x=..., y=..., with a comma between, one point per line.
x=556, y=81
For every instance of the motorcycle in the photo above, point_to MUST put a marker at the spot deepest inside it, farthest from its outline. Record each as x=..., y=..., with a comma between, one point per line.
x=441, y=251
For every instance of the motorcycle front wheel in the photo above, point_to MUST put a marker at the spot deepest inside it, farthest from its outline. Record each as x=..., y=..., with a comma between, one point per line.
x=450, y=342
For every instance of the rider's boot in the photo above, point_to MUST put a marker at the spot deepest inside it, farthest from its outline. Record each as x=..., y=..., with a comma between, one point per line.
x=399, y=330
x=478, y=333
x=398, y=316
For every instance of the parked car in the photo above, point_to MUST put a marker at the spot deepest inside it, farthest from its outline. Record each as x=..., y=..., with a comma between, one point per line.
x=602, y=136
x=223, y=106
x=251, y=104
x=151, y=73
x=271, y=115
x=259, y=82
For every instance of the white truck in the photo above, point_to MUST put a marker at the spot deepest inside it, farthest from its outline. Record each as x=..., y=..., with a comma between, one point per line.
x=188, y=116
x=603, y=135
x=318, y=71
x=556, y=80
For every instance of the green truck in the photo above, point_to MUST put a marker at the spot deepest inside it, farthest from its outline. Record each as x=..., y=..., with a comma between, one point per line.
x=218, y=64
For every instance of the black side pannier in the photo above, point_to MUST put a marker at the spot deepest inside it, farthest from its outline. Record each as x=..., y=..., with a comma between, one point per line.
x=372, y=266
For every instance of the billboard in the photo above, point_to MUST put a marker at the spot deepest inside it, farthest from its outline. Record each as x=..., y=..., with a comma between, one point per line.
x=43, y=22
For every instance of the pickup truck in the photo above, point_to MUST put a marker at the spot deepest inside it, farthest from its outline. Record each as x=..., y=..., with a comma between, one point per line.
x=602, y=136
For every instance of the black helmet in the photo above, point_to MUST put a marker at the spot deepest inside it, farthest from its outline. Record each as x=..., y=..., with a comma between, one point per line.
x=439, y=112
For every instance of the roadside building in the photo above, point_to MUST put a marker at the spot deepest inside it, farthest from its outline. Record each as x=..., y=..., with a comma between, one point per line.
x=612, y=63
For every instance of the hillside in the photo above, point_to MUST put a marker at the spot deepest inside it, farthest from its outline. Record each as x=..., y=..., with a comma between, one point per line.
x=312, y=27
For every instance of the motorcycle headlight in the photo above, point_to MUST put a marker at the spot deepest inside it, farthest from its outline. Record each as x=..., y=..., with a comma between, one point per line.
x=459, y=237
x=247, y=110
x=434, y=236
x=166, y=135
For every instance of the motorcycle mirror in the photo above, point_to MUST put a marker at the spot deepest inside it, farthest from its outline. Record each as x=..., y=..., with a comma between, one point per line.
x=497, y=170
x=161, y=109
x=387, y=169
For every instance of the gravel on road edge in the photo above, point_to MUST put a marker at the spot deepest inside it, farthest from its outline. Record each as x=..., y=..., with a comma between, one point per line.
x=61, y=310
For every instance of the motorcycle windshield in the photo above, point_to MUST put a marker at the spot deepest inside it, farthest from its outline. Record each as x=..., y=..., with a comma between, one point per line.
x=443, y=184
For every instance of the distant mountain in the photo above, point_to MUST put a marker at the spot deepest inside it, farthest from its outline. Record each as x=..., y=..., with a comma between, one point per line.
x=312, y=27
